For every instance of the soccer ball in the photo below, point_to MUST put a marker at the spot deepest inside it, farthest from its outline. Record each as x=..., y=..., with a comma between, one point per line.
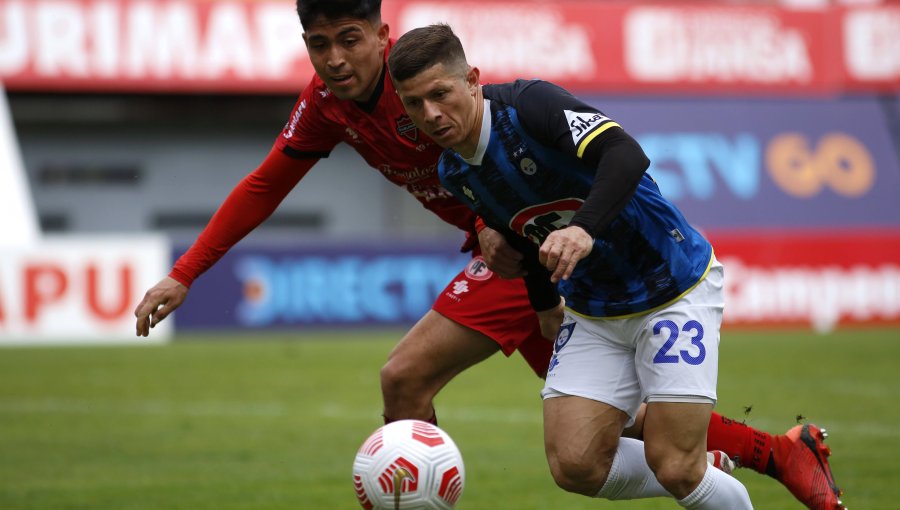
x=408, y=465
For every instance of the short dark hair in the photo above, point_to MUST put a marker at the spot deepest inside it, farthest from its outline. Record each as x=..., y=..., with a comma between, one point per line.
x=421, y=48
x=311, y=11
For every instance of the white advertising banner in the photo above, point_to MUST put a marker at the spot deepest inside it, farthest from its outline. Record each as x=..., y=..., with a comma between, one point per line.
x=15, y=196
x=79, y=290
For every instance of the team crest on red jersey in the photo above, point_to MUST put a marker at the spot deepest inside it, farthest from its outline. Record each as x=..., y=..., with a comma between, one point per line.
x=406, y=128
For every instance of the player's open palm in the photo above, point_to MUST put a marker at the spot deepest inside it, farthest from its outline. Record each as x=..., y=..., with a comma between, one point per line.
x=499, y=256
x=158, y=303
x=563, y=249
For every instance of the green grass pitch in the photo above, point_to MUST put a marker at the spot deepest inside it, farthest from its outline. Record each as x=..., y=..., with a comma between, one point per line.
x=270, y=423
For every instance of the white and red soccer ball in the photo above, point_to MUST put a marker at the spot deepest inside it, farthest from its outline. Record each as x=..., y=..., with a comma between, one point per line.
x=408, y=465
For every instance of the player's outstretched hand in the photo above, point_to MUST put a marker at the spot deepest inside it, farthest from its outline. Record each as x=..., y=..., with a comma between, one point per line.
x=158, y=303
x=552, y=319
x=499, y=256
x=562, y=250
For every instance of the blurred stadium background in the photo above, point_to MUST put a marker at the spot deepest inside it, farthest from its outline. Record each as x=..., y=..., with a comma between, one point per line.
x=775, y=126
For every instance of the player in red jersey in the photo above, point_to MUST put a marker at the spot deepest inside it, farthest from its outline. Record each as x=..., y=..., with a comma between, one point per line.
x=351, y=100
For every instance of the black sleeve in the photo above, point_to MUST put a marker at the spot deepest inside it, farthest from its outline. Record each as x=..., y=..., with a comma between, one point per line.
x=556, y=118
x=621, y=165
x=542, y=293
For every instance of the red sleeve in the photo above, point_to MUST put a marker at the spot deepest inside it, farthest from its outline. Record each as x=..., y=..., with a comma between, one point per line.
x=253, y=200
x=479, y=225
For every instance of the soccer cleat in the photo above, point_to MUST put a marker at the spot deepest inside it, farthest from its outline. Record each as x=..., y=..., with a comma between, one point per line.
x=719, y=459
x=800, y=461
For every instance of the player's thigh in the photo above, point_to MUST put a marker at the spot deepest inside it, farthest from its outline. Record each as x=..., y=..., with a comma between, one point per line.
x=676, y=428
x=580, y=431
x=437, y=348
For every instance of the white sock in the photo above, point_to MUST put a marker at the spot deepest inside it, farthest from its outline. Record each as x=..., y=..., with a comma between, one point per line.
x=630, y=477
x=716, y=491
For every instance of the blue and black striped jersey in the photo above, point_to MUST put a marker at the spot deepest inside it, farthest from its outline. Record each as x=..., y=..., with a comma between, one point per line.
x=537, y=168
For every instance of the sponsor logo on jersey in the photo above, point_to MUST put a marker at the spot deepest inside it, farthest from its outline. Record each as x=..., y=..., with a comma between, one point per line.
x=469, y=193
x=460, y=287
x=405, y=127
x=291, y=126
x=536, y=222
x=478, y=269
x=410, y=174
x=582, y=123
x=428, y=193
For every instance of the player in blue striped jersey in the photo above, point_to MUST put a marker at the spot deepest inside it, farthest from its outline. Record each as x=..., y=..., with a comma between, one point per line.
x=643, y=291
x=533, y=181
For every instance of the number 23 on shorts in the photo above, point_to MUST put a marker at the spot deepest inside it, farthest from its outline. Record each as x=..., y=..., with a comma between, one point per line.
x=670, y=330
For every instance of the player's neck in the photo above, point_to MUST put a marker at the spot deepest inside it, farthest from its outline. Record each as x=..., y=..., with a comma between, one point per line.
x=373, y=93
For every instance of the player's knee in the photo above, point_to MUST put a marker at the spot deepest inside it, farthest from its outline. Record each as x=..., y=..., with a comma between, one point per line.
x=582, y=475
x=679, y=475
x=402, y=379
x=393, y=376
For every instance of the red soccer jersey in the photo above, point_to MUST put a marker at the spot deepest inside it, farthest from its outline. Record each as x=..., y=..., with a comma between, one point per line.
x=382, y=133
x=379, y=131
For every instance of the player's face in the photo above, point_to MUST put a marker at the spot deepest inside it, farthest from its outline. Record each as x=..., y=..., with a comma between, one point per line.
x=444, y=104
x=348, y=54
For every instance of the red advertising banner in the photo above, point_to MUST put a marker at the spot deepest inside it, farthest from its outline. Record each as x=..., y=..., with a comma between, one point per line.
x=639, y=48
x=806, y=278
x=871, y=48
x=256, y=45
x=178, y=45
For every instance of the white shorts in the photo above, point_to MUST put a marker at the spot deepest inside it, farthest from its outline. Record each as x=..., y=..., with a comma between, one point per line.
x=667, y=355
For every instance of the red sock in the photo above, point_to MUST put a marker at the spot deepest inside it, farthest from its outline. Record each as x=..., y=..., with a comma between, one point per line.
x=750, y=447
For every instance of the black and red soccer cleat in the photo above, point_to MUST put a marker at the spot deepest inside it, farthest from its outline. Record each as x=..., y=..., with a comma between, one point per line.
x=799, y=460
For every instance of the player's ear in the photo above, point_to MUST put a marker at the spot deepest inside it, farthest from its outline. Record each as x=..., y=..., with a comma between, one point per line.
x=383, y=33
x=472, y=79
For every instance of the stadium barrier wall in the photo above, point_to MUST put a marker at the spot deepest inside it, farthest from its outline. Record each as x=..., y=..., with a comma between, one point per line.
x=79, y=290
x=788, y=279
x=254, y=46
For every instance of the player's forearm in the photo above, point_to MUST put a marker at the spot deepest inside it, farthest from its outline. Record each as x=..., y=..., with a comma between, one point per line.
x=619, y=171
x=253, y=200
x=542, y=293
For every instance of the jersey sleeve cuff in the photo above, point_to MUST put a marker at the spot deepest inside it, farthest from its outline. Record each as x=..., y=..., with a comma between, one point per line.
x=181, y=277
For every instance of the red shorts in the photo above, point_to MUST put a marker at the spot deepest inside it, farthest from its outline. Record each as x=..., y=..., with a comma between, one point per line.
x=499, y=308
